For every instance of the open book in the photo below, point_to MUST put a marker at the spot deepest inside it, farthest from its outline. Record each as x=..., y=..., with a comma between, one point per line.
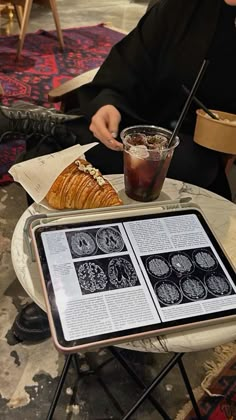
x=126, y=276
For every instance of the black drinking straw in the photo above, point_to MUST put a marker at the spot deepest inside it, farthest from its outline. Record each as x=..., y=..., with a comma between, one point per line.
x=188, y=101
x=208, y=111
x=180, y=120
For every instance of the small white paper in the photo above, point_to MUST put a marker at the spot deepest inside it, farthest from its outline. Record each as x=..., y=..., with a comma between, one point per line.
x=37, y=175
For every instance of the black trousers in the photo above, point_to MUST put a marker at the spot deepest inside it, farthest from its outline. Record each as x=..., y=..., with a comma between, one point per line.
x=191, y=163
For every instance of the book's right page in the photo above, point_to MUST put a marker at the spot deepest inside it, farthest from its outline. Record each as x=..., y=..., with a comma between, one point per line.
x=183, y=270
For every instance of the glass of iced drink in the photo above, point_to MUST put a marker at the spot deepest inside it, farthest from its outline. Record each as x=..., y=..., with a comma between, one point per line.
x=147, y=157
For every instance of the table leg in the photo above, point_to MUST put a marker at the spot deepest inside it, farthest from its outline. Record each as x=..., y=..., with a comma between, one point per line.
x=189, y=389
x=138, y=381
x=59, y=387
x=156, y=381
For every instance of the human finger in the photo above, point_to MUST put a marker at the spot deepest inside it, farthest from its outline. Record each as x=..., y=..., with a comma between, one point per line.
x=101, y=131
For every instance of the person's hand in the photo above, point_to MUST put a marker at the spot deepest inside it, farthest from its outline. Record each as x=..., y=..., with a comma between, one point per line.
x=104, y=126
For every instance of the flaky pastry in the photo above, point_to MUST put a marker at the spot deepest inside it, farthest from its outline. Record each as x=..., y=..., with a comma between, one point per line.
x=81, y=186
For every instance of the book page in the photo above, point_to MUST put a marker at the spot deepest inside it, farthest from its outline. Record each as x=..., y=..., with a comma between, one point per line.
x=183, y=271
x=98, y=285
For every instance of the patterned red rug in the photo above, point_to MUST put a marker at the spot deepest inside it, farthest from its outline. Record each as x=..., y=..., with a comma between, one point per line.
x=217, y=395
x=43, y=66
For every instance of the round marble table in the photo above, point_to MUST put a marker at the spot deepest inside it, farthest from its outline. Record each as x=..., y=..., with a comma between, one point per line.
x=221, y=215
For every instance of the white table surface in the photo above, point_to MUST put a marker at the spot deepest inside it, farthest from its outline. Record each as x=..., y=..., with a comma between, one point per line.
x=221, y=215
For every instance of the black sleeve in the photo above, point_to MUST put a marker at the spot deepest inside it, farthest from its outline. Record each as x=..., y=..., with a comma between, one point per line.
x=127, y=76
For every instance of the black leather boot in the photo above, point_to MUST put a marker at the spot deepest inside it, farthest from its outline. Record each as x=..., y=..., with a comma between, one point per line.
x=31, y=324
x=32, y=120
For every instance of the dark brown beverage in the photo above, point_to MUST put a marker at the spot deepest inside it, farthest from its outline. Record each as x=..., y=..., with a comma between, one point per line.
x=146, y=161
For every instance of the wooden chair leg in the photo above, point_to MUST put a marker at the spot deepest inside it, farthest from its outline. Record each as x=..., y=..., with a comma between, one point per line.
x=57, y=22
x=19, y=14
x=25, y=19
x=1, y=90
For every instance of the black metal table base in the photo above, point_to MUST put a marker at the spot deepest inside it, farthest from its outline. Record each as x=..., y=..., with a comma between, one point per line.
x=147, y=390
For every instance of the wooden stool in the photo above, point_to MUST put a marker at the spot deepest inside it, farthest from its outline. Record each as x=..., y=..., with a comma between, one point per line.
x=23, y=18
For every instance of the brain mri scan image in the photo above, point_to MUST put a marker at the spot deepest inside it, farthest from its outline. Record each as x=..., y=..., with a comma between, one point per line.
x=218, y=285
x=181, y=263
x=121, y=273
x=205, y=260
x=109, y=240
x=158, y=267
x=91, y=277
x=82, y=244
x=193, y=288
x=168, y=293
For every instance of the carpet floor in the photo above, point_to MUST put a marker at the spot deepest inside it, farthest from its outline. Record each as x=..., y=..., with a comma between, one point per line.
x=217, y=394
x=42, y=67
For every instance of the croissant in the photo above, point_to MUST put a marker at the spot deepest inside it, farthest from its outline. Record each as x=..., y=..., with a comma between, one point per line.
x=80, y=186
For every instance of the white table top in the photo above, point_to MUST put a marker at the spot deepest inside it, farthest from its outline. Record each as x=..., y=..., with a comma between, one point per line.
x=221, y=215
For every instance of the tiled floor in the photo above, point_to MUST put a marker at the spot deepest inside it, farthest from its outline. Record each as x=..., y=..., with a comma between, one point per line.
x=29, y=373
x=120, y=13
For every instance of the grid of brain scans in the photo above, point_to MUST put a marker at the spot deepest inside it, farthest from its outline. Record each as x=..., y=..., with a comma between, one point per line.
x=189, y=276
x=101, y=274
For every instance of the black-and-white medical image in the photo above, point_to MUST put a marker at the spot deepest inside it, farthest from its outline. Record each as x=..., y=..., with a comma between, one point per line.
x=91, y=276
x=82, y=244
x=193, y=288
x=121, y=273
x=197, y=275
x=158, y=266
x=168, y=293
x=95, y=241
x=218, y=285
x=205, y=259
x=109, y=240
x=105, y=274
x=181, y=263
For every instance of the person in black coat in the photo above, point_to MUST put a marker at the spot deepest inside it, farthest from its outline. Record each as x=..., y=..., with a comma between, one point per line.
x=141, y=82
